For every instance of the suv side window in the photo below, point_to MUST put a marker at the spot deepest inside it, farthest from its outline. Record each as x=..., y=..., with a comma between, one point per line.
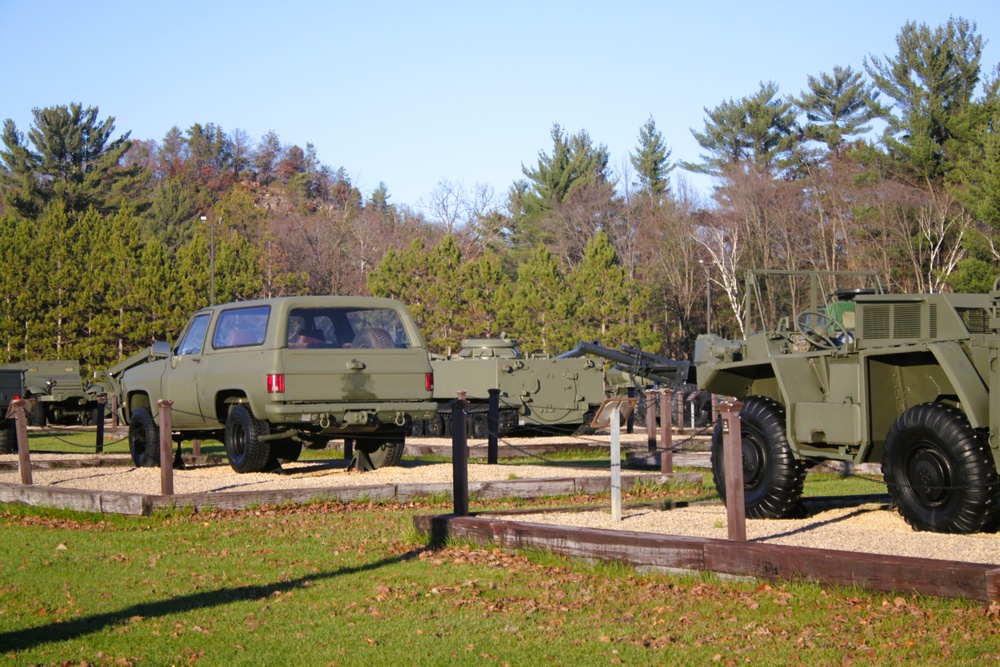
x=194, y=339
x=240, y=327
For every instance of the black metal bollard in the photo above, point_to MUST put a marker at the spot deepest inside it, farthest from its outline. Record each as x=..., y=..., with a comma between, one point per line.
x=493, y=426
x=460, y=455
x=99, y=418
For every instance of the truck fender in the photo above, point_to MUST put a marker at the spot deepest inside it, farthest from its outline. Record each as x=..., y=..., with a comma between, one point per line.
x=961, y=373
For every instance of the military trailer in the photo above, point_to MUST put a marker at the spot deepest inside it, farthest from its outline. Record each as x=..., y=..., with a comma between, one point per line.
x=269, y=376
x=862, y=376
x=58, y=390
x=545, y=394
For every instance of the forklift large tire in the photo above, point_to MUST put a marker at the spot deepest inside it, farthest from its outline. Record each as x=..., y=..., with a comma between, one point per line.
x=144, y=439
x=939, y=471
x=245, y=448
x=772, y=477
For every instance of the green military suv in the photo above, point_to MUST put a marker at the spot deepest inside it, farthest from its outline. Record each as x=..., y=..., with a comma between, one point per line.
x=268, y=376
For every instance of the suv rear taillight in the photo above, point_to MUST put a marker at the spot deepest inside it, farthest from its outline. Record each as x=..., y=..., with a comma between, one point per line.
x=429, y=381
x=276, y=383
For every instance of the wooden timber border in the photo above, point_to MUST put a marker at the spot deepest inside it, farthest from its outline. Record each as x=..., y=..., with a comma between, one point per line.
x=144, y=504
x=759, y=560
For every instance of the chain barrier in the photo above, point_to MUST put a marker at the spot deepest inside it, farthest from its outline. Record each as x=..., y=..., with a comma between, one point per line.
x=56, y=433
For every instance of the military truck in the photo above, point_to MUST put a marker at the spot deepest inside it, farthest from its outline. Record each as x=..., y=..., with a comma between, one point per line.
x=268, y=376
x=536, y=393
x=58, y=390
x=867, y=377
x=11, y=389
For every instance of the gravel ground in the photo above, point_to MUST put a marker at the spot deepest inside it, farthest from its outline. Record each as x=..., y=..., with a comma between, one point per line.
x=300, y=475
x=870, y=528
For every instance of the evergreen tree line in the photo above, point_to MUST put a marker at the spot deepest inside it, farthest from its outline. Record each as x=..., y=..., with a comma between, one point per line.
x=107, y=241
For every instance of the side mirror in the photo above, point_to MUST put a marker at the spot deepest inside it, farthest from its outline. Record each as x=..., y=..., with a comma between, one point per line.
x=160, y=349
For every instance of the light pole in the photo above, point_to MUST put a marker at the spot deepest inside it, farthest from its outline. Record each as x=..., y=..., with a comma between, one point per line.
x=211, y=259
x=708, y=296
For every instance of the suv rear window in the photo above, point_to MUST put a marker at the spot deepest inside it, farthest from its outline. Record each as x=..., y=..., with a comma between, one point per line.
x=379, y=328
x=241, y=327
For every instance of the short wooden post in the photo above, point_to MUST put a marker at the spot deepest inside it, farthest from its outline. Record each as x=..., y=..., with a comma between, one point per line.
x=732, y=445
x=678, y=411
x=21, y=428
x=460, y=455
x=630, y=423
x=99, y=414
x=493, y=426
x=651, y=419
x=349, y=449
x=166, y=440
x=114, y=415
x=196, y=447
x=666, y=433
x=616, y=461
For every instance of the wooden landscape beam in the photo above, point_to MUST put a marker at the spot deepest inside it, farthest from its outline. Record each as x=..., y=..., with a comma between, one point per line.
x=975, y=581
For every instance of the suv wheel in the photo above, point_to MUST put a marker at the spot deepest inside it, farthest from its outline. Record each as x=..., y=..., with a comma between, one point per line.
x=244, y=447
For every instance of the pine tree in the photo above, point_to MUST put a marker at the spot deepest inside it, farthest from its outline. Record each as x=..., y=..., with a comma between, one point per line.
x=651, y=161
x=69, y=156
x=542, y=306
x=603, y=289
x=754, y=133
x=932, y=80
x=486, y=294
x=838, y=106
x=442, y=295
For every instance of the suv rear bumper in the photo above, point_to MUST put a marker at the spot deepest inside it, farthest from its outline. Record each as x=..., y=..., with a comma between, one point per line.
x=337, y=413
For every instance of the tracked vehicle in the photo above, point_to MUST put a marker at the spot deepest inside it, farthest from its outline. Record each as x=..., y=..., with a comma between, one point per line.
x=904, y=380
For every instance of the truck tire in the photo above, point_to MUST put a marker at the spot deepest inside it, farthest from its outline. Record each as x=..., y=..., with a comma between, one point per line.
x=287, y=451
x=479, y=428
x=772, y=477
x=144, y=439
x=246, y=451
x=8, y=439
x=37, y=416
x=939, y=471
x=374, y=454
x=435, y=426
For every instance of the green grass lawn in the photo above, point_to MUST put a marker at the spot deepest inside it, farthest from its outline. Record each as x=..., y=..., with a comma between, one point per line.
x=336, y=584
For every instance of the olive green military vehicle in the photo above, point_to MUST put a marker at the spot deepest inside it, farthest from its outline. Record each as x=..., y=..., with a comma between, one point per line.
x=548, y=394
x=268, y=376
x=11, y=389
x=59, y=393
x=903, y=380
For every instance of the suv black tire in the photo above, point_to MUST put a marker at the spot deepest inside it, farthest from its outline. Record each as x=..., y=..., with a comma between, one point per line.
x=246, y=451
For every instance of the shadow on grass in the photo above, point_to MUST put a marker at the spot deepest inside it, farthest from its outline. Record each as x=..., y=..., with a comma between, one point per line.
x=22, y=640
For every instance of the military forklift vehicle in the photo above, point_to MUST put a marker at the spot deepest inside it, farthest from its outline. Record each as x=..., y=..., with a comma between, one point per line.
x=862, y=376
x=269, y=376
x=58, y=390
x=542, y=394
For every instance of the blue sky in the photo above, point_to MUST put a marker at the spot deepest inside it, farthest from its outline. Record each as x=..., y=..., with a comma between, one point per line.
x=413, y=93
